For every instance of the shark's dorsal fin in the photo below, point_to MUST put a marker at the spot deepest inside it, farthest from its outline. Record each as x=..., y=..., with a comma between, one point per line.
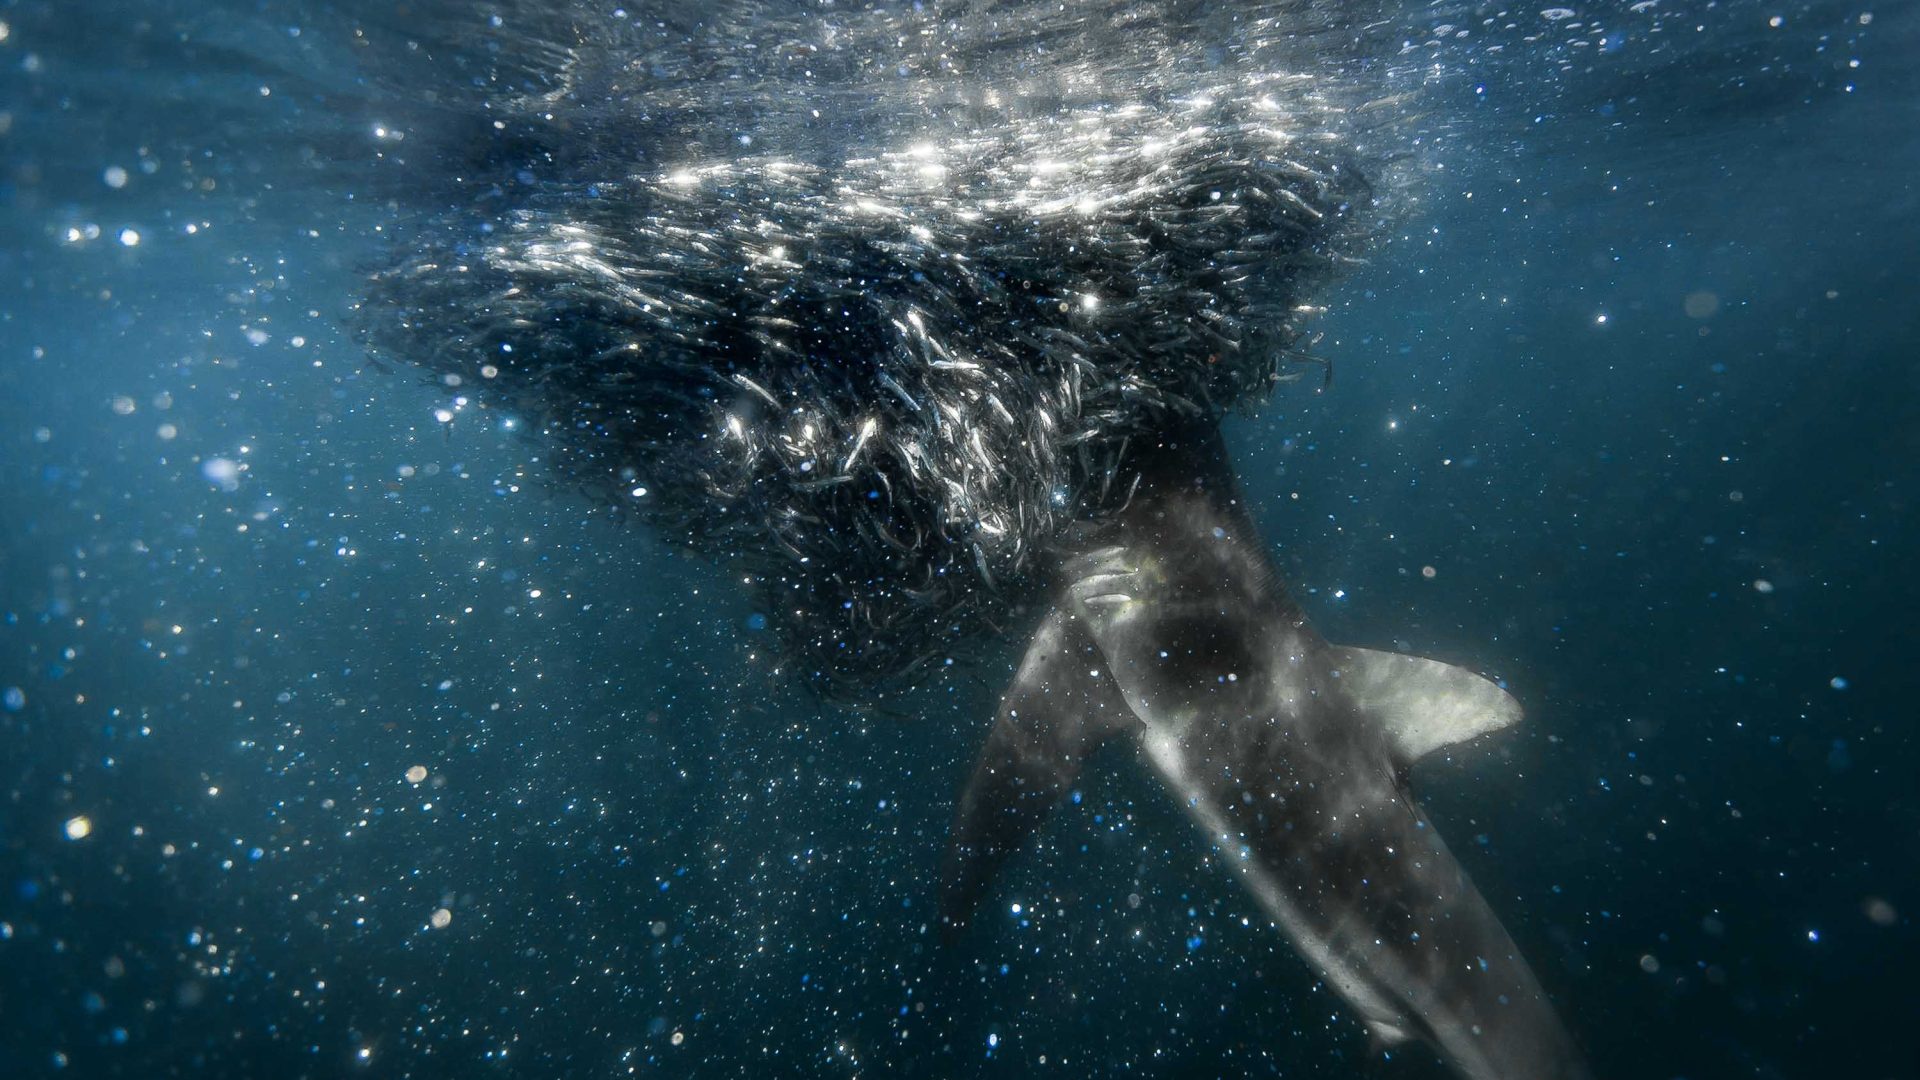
x=1060, y=706
x=1422, y=704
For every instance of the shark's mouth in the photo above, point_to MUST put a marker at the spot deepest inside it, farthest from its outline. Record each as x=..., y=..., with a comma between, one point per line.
x=1289, y=753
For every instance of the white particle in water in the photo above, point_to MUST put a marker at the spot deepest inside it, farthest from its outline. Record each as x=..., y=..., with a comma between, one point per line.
x=115, y=177
x=1701, y=304
x=441, y=918
x=79, y=827
x=221, y=472
x=416, y=774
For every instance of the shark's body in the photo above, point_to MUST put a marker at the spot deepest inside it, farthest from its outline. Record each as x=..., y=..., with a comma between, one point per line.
x=1288, y=752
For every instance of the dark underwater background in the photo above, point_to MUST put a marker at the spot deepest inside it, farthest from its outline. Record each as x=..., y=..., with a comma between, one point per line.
x=336, y=740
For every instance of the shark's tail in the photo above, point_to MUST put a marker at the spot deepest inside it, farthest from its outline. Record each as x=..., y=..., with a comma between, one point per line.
x=1346, y=866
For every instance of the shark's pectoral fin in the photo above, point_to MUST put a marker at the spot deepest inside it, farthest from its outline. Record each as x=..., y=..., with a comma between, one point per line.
x=1422, y=704
x=1059, y=708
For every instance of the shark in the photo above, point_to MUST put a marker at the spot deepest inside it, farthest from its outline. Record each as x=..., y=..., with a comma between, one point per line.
x=1170, y=628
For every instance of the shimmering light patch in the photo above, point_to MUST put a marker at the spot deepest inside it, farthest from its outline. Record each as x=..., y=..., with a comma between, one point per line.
x=417, y=774
x=1226, y=175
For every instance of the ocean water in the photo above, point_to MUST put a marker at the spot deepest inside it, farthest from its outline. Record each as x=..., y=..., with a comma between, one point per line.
x=338, y=740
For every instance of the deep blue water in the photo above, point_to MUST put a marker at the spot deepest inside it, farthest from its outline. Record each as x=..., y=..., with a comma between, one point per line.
x=1634, y=377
